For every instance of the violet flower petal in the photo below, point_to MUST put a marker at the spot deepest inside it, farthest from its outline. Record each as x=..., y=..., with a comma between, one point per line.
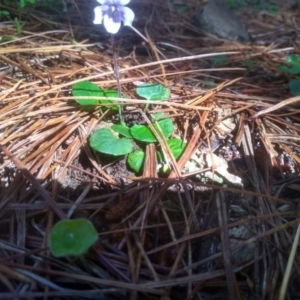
x=110, y=25
x=127, y=16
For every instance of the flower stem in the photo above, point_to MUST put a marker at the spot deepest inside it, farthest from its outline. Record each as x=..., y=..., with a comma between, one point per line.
x=117, y=76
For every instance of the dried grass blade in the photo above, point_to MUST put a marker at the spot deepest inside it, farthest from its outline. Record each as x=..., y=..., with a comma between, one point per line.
x=289, y=266
x=275, y=107
x=233, y=292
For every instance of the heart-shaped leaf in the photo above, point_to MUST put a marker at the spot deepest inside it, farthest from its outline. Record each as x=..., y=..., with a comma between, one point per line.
x=166, y=125
x=283, y=69
x=110, y=103
x=135, y=160
x=142, y=133
x=72, y=237
x=295, y=87
x=292, y=59
x=176, y=146
x=295, y=69
x=122, y=129
x=153, y=91
x=87, y=88
x=104, y=141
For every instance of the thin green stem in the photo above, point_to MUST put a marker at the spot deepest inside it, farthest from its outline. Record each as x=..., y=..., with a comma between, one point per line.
x=117, y=76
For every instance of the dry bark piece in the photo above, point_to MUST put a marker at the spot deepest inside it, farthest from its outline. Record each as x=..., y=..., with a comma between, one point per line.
x=216, y=18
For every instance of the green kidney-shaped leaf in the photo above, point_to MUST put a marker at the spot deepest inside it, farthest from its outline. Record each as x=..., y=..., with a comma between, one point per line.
x=104, y=141
x=295, y=87
x=135, y=160
x=177, y=147
x=295, y=69
x=121, y=129
x=283, y=69
x=110, y=103
x=166, y=125
x=292, y=59
x=142, y=133
x=153, y=91
x=72, y=237
x=87, y=88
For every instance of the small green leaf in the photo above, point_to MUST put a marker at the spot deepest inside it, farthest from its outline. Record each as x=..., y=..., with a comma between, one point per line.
x=295, y=69
x=86, y=88
x=283, y=69
x=251, y=64
x=135, y=160
x=166, y=126
x=121, y=129
x=292, y=59
x=142, y=133
x=176, y=146
x=219, y=60
x=209, y=83
x=4, y=13
x=153, y=91
x=22, y=4
x=6, y=38
x=110, y=103
x=72, y=237
x=89, y=89
x=236, y=4
x=295, y=87
x=271, y=8
x=104, y=141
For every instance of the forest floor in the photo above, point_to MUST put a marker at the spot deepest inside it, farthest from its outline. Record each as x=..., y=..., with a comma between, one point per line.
x=217, y=220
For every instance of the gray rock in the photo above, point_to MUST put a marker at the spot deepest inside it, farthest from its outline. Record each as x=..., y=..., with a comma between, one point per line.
x=216, y=18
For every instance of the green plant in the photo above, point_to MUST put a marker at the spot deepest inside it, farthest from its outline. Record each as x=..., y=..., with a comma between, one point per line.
x=118, y=139
x=4, y=13
x=251, y=65
x=136, y=160
x=292, y=67
x=294, y=86
x=105, y=141
x=24, y=2
x=144, y=133
x=21, y=3
x=72, y=237
x=269, y=6
x=236, y=4
x=152, y=91
x=89, y=89
x=17, y=20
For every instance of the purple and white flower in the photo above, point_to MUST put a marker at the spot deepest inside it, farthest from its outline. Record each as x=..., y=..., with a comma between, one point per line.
x=112, y=13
